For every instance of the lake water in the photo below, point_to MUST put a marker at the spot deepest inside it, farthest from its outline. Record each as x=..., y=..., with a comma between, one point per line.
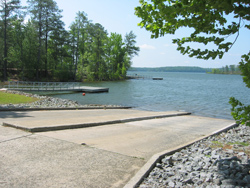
x=199, y=93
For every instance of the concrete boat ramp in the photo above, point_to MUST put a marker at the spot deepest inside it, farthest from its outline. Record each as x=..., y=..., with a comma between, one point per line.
x=92, y=148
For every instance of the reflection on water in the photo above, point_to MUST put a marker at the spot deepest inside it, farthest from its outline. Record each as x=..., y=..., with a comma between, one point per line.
x=201, y=94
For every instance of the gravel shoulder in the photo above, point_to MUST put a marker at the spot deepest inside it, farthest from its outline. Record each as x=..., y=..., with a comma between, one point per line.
x=218, y=161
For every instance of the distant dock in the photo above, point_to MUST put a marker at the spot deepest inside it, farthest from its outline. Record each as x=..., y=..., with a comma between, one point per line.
x=157, y=78
x=53, y=86
x=137, y=76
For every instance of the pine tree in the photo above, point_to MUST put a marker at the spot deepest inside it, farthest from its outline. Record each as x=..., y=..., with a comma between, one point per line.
x=6, y=12
x=46, y=15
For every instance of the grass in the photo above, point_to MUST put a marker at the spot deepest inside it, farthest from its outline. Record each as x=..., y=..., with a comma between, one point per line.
x=239, y=143
x=217, y=144
x=7, y=98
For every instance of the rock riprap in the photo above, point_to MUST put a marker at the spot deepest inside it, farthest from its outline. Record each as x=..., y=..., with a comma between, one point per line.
x=218, y=161
x=47, y=102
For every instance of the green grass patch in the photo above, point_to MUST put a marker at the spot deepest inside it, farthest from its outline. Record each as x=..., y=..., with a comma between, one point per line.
x=7, y=98
x=239, y=143
x=217, y=144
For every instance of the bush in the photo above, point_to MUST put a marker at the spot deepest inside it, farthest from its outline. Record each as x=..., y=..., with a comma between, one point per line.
x=240, y=112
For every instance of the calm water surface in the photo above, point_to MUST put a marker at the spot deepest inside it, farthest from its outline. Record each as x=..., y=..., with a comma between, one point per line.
x=201, y=94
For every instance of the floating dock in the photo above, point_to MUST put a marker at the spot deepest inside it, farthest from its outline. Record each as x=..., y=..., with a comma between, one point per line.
x=54, y=86
x=137, y=76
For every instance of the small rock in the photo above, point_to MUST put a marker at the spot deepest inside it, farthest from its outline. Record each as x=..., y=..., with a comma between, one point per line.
x=188, y=181
x=171, y=184
x=228, y=182
x=158, y=165
x=217, y=181
x=247, y=179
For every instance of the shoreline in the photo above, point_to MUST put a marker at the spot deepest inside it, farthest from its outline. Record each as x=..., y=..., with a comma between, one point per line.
x=50, y=103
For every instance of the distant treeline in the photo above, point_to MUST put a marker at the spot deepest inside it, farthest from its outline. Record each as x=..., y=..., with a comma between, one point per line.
x=231, y=69
x=172, y=69
x=228, y=69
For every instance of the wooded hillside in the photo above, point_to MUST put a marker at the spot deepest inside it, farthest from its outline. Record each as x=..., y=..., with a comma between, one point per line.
x=42, y=49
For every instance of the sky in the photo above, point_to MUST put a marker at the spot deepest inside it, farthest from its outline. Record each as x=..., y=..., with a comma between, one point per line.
x=118, y=16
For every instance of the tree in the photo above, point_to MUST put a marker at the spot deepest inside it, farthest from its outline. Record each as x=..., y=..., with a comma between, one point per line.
x=47, y=16
x=98, y=37
x=216, y=71
x=1, y=50
x=30, y=48
x=208, y=23
x=116, y=55
x=227, y=69
x=131, y=49
x=223, y=70
x=130, y=44
x=52, y=23
x=7, y=8
x=232, y=67
x=57, y=54
x=78, y=34
x=16, y=50
x=119, y=53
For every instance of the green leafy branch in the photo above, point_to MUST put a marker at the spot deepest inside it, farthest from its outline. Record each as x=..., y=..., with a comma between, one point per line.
x=162, y=17
x=240, y=112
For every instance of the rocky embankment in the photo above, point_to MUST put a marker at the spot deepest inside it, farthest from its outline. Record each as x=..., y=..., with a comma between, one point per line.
x=48, y=102
x=218, y=161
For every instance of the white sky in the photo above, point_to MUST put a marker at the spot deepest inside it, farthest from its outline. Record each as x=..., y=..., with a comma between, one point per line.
x=118, y=16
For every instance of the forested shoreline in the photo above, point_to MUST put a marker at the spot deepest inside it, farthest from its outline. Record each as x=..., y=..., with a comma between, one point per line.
x=171, y=69
x=41, y=49
x=231, y=69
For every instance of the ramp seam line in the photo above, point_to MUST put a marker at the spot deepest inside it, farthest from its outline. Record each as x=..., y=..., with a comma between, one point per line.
x=15, y=138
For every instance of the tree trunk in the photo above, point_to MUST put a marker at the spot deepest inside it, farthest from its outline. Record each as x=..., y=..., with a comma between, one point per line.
x=5, y=61
x=40, y=44
x=77, y=48
x=46, y=47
